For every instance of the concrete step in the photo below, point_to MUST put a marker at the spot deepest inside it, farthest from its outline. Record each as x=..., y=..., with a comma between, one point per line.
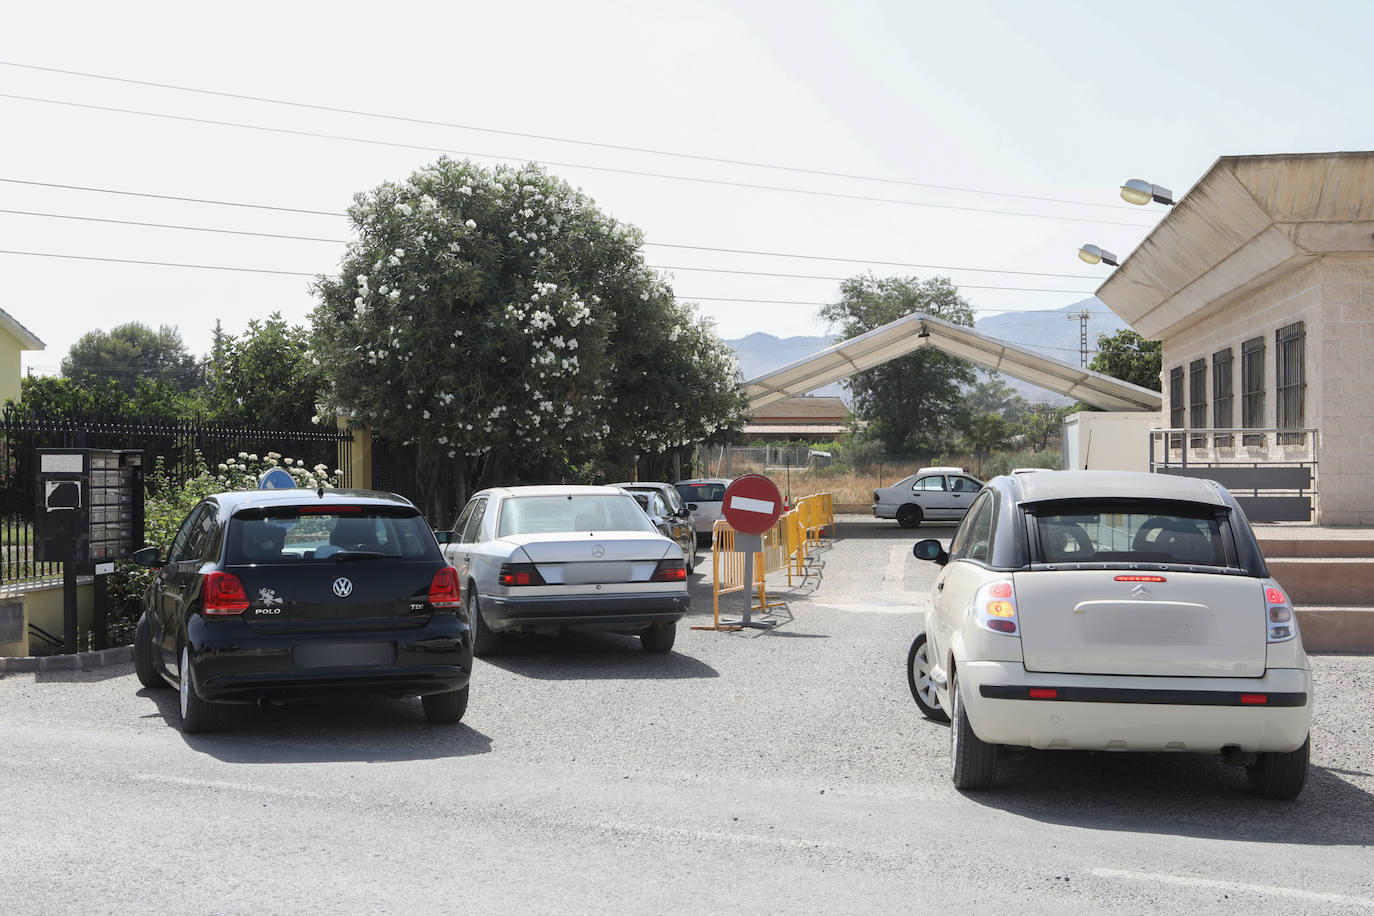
x=1279, y=546
x=1332, y=628
x=1347, y=581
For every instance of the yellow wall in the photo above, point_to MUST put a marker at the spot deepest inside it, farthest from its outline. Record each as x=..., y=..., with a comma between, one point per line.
x=43, y=608
x=10, y=366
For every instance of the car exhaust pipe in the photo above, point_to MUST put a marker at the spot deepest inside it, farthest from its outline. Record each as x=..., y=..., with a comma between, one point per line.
x=264, y=702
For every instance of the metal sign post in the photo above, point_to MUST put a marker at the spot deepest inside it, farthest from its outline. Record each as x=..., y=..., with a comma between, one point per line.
x=752, y=505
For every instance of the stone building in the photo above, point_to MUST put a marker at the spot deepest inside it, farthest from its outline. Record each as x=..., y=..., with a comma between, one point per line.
x=1260, y=286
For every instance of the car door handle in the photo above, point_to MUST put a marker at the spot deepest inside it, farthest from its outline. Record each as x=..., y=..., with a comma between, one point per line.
x=940, y=586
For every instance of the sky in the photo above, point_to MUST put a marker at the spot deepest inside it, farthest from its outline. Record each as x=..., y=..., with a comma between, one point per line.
x=982, y=141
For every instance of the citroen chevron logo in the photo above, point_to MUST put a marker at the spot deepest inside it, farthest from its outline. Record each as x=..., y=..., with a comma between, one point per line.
x=1141, y=591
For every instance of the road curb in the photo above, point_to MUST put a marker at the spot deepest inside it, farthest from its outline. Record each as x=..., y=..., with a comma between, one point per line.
x=81, y=661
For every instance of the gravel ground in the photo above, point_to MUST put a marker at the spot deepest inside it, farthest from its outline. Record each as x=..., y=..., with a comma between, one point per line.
x=779, y=771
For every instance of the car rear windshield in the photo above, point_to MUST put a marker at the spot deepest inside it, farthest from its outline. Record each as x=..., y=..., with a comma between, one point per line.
x=1087, y=532
x=575, y=512
x=701, y=492
x=326, y=534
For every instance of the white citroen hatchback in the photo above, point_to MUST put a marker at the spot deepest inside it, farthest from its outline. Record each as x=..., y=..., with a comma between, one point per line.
x=1112, y=610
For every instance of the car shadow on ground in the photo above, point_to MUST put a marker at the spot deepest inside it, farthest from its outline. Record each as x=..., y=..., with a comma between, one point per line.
x=362, y=731
x=1187, y=795
x=574, y=656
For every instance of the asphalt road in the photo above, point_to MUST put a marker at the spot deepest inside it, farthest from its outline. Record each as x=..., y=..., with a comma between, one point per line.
x=786, y=771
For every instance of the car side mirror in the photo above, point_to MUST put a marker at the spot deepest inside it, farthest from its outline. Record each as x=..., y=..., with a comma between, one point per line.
x=443, y=537
x=151, y=557
x=684, y=512
x=930, y=549
x=692, y=506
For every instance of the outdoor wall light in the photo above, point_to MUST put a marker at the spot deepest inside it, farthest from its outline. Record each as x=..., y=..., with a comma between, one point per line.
x=1136, y=191
x=1094, y=255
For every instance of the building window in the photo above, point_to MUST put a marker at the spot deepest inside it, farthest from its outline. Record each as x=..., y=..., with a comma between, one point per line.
x=1176, y=404
x=1252, y=387
x=1197, y=400
x=1221, y=395
x=1290, y=383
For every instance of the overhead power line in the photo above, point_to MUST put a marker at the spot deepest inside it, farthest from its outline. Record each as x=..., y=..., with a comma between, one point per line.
x=771, y=254
x=372, y=141
x=298, y=273
x=546, y=137
x=87, y=257
x=190, y=200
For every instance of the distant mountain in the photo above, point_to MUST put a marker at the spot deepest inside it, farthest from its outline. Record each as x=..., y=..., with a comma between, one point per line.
x=1052, y=332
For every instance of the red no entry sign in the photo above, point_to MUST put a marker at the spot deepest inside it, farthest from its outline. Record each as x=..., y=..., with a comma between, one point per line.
x=752, y=504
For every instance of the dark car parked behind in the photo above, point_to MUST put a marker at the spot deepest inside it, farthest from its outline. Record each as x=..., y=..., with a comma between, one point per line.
x=267, y=596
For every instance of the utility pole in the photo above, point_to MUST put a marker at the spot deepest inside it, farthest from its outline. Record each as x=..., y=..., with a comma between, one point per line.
x=1082, y=319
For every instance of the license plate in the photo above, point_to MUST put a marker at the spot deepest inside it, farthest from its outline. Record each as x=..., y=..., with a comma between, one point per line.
x=595, y=573
x=344, y=655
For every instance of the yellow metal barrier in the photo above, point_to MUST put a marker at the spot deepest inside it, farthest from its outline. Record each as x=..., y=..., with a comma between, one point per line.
x=790, y=544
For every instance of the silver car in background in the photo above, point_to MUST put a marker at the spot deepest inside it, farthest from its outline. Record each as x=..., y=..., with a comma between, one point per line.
x=705, y=496
x=543, y=559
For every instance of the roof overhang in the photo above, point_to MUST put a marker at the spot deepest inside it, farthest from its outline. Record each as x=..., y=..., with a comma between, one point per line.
x=1250, y=220
x=26, y=338
x=912, y=332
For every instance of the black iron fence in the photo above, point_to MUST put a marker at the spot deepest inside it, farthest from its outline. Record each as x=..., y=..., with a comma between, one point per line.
x=176, y=442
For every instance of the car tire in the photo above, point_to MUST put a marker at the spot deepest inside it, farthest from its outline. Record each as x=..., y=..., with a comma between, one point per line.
x=974, y=760
x=918, y=679
x=145, y=664
x=446, y=708
x=197, y=715
x=690, y=558
x=658, y=638
x=909, y=516
x=1280, y=774
x=485, y=642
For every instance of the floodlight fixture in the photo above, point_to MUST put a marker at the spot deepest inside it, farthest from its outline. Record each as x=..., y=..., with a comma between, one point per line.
x=1091, y=254
x=1140, y=192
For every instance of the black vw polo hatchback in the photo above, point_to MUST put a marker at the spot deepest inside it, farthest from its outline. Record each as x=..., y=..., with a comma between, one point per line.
x=270, y=596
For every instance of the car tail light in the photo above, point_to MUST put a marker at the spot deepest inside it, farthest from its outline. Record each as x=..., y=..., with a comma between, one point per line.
x=1044, y=693
x=669, y=571
x=444, y=591
x=520, y=574
x=223, y=593
x=995, y=608
x=1141, y=579
x=1278, y=613
x=326, y=509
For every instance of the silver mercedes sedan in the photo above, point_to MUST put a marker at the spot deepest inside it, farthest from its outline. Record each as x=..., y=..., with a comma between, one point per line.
x=548, y=558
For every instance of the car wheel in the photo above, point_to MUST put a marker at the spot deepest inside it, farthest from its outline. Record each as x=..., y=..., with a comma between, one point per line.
x=918, y=679
x=909, y=516
x=485, y=642
x=1279, y=774
x=446, y=708
x=689, y=557
x=975, y=761
x=197, y=715
x=658, y=638
x=145, y=665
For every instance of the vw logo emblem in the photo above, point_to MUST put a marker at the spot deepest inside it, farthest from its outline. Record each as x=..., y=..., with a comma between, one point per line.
x=342, y=587
x=598, y=551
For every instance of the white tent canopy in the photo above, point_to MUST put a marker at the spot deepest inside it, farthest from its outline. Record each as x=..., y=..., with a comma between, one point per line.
x=911, y=332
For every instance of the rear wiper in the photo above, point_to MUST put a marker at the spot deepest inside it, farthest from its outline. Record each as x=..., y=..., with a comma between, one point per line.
x=345, y=555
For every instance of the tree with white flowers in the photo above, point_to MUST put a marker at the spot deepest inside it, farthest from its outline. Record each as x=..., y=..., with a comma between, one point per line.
x=484, y=315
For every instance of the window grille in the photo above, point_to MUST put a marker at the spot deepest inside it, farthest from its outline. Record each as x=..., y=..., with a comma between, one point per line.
x=1221, y=395
x=1197, y=400
x=1176, y=404
x=1252, y=387
x=1290, y=384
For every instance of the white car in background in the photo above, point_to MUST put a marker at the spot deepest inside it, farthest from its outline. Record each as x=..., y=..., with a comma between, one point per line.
x=543, y=559
x=1112, y=611
x=938, y=494
x=705, y=496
